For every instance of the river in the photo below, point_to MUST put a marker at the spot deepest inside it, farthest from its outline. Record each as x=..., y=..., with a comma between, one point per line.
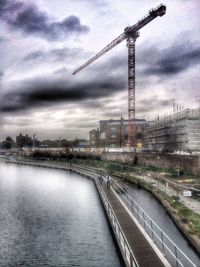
x=52, y=218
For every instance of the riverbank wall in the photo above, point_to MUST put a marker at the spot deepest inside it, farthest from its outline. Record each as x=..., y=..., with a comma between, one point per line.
x=188, y=163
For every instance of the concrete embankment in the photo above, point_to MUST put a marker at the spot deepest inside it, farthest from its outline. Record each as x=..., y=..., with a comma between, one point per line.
x=171, y=161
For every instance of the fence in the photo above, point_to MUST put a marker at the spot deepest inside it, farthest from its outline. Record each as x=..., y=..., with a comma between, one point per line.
x=171, y=251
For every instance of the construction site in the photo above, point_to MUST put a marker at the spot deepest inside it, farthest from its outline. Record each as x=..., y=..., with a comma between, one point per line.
x=130, y=34
x=179, y=131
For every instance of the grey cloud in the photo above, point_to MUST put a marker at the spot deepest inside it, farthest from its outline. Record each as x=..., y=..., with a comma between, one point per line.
x=173, y=60
x=153, y=104
x=96, y=3
x=33, y=94
x=112, y=65
x=34, y=56
x=3, y=39
x=97, y=104
x=30, y=20
x=79, y=124
x=61, y=71
x=52, y=55
x=22, y=122
x=1, y=76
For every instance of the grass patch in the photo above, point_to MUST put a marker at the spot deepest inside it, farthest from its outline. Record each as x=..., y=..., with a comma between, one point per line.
x=187, y=216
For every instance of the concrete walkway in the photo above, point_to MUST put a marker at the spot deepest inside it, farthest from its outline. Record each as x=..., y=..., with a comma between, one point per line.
x=142, y=250
x=189, y=202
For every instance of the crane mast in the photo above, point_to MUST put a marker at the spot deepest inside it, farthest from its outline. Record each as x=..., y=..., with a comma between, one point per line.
x=130, y=34
x=131, y=89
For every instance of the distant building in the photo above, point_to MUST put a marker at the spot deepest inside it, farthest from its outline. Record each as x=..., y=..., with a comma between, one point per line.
x=24, y=141
x=177, y=132
x=114, y=133
x=94, y=138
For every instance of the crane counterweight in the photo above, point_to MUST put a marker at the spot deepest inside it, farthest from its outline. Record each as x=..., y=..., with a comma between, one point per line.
x=130, y=34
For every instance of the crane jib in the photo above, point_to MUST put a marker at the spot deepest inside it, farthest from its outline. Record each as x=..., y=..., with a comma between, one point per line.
x=153, y=13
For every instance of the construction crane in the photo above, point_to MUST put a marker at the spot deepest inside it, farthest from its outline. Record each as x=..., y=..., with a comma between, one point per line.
x=130, y=34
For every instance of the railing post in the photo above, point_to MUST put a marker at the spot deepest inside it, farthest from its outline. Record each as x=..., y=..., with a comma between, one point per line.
x=143, y=219
x=132, y=205
x=163, y=247
x=125, y=249
x=138, y=212
x=176, y=255
x=152, y=230
x=131, y=260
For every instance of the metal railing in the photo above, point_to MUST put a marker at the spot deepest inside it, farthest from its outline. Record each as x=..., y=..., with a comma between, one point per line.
x=163, y=242
x=171, y=251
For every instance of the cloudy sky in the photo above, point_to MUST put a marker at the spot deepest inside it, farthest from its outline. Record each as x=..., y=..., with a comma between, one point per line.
x=43, y=41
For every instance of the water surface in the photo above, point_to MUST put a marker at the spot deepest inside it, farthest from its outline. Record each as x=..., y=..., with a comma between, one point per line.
x=52, y=218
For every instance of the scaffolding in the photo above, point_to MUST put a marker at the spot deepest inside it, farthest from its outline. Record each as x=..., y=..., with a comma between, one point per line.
x=179, y=131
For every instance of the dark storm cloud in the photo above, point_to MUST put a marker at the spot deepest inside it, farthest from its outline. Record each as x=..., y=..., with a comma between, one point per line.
x=171, y=61
x=30, y=20
x=32, y=94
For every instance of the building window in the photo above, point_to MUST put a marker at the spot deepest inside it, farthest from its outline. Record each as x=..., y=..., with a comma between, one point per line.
x=113, y=129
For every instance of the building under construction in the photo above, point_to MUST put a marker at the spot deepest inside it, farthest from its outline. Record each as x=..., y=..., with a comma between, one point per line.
x=179, y=131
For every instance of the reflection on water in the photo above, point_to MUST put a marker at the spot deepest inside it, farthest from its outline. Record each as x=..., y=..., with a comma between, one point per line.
x=52, y=218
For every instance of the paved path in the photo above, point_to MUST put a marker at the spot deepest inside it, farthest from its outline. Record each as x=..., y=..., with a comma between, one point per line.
x=189, y=202
x=144, y=253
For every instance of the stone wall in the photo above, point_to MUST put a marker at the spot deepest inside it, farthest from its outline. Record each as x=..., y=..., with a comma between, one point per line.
x=185, y=162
